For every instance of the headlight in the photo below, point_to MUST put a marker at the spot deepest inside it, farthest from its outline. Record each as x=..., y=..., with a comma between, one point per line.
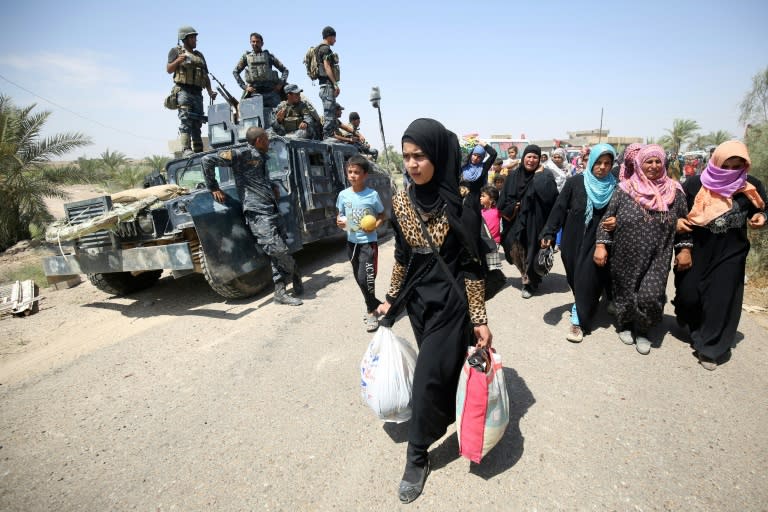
x=146, y=224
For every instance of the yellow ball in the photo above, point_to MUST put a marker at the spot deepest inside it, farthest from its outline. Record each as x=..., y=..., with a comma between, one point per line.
x=368, y=223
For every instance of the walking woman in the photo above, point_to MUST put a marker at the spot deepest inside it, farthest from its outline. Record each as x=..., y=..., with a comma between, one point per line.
x=444, y=299
x=528, y=196
x=646, y=205
x=724, y=200
x=474, y=173
x=579, y=210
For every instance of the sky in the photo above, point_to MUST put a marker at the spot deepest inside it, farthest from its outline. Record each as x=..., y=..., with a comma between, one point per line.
x=490, y=67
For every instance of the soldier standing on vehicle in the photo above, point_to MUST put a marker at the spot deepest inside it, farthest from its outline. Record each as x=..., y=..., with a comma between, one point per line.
x=295, y=116
x=328, y=71
x=259, y=198
x=190, y=74
x=260, y=78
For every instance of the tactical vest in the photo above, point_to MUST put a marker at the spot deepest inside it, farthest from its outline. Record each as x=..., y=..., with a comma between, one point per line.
x=334, y=64
x=192, y=71
x=294, y=115
x=259, y=68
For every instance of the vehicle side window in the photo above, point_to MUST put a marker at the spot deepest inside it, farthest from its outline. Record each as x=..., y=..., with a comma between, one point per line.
x=192, y=176
x=278, y=165
x=316, y=164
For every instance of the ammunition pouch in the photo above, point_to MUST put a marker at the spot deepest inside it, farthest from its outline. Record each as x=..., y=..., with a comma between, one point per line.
x=172, y=100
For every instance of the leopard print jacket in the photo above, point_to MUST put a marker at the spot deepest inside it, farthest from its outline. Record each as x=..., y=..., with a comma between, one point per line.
x=438, y=229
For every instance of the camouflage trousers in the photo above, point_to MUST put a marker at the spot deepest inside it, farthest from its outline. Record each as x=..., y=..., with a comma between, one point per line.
x=329, y=109
x=268, y=231
x=191, y=114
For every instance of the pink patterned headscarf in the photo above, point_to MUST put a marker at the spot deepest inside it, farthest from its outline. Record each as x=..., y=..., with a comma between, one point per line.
x=656, y=195
x=628, y=165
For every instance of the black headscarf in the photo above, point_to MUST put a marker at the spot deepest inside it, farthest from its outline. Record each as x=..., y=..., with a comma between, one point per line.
x=442, y=148
x=523, y=177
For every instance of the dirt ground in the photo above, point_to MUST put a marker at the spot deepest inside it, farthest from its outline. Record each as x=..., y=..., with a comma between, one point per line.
x=176, y=399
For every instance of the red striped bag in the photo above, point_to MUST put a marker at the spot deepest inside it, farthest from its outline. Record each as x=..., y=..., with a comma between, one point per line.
x=482, y=404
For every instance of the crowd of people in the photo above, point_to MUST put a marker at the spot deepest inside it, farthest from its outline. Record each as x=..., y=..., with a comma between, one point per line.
x=623, y=220
x=620, y=222
x=286, y=111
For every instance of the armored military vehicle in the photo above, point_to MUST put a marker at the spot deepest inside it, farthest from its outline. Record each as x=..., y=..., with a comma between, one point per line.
x=193, y=233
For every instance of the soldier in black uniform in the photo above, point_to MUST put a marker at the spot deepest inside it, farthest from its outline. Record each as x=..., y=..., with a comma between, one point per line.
x=190, y=74
x=260, y=78
x=258, y=196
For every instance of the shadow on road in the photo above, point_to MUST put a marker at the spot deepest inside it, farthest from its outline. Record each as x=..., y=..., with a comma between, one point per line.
x=509, y=450
x=504, y=455
x=189, y=295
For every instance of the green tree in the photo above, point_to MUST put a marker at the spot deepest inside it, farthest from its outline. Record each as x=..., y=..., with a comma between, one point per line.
x=754, y=106
x=25, y=178
x=157, y=162
x=113, y=160
x=130, y=176
x=710, y=139
x=757, y=144
x=682, y=131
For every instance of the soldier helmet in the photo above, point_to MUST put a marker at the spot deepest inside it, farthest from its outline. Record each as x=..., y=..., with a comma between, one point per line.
x=185, y=31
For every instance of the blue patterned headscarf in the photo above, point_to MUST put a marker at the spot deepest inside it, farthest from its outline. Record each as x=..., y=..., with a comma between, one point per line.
x=599, y=191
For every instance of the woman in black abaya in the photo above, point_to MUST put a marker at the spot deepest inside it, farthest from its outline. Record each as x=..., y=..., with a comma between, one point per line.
x=447, y=312
x=525, y=202
x=723, y=200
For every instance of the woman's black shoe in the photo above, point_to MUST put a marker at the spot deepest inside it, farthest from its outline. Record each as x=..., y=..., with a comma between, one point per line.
x=407, y=492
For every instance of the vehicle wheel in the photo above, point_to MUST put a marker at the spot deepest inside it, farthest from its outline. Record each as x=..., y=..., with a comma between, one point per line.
x=123, y=283
x=241, y=287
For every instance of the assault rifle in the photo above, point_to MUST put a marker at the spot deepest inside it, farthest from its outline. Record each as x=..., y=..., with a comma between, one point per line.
x=225, y=93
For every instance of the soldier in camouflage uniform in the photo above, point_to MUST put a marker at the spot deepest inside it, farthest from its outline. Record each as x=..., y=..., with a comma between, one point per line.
x=295, y=116
x=328, y=71
x=260, y=78
x=258, y=195
x=190, y=74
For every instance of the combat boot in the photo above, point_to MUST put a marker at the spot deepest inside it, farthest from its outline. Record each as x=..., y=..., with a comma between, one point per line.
x=298, y=286
x=186, y=144
x=282, y=297
x=197, y=144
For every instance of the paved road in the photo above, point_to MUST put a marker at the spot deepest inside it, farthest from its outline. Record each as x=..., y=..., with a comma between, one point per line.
x=246, y=405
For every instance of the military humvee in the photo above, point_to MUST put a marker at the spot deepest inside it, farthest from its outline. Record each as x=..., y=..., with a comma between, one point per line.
x=195, y=234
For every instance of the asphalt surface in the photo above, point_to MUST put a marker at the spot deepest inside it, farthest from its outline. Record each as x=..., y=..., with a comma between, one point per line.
x=196, y=403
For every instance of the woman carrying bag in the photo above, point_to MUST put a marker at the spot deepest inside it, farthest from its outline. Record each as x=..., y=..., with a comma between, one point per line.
x=438, y=278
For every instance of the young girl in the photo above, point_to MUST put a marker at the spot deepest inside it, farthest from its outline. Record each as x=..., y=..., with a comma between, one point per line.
x=488, y=197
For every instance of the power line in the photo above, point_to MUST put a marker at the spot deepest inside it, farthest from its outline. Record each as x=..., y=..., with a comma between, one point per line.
x=80, y=115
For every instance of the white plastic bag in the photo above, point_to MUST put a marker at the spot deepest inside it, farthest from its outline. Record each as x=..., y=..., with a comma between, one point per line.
x=387, y=376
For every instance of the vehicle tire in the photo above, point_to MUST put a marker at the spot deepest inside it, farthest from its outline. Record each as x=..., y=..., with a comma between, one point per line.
x=241, y=287
x=124, y=283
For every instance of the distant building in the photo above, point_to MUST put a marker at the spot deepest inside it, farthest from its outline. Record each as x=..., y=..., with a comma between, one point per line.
x=174, y=146
x=583, y=138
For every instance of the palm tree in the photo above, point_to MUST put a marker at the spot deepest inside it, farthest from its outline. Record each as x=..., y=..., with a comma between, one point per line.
x=157, y=162
x=113, y=160
x=25, y=179
x=682, y=131
x=718, y=137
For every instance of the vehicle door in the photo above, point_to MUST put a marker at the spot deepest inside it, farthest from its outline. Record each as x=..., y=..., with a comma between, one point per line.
x=318, y=185
x=378, y=179
x=227, y=244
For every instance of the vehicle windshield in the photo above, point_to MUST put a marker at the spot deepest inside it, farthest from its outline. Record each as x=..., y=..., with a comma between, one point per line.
x=192, y=177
